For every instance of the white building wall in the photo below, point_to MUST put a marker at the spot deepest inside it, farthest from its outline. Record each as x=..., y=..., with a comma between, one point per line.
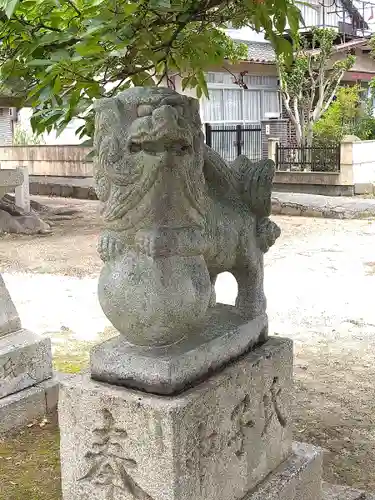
x=363, y=165
x=68, y=136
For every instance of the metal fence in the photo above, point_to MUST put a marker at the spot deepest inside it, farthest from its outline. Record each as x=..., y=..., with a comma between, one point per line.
x=308, y=159
x=231, y=141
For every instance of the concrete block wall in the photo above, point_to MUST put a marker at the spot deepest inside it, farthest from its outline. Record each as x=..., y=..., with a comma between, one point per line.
x=274, y=128
x=363, y=166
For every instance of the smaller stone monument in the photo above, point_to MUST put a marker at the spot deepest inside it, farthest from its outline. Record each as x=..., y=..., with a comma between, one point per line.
x=192, y=400
x=17, y=217
x=25, y=365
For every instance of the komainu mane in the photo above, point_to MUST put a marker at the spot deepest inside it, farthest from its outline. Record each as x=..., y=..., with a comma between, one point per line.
x=175, y=211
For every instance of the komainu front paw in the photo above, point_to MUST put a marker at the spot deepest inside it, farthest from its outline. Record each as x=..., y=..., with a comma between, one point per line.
x=109, y=247
x=154, y=243
x=145, y=243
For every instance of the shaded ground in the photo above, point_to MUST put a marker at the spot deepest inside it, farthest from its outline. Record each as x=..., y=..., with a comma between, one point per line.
x=320, y=283
x=29, y=464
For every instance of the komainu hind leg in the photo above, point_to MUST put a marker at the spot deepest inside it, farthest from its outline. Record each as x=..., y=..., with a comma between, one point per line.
x=212, y=302
x=251, y=301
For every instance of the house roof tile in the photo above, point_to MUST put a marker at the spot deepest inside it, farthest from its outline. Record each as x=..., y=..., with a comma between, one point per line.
x=263, y=52
x=259, y=52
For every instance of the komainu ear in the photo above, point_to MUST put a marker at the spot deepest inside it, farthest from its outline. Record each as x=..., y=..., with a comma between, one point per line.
x=194, y=104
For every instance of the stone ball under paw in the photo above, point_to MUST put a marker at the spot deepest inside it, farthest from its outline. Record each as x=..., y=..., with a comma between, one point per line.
x=154, y=301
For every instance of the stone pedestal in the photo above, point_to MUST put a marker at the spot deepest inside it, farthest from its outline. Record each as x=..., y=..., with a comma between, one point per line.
x=25, y=360
x=224, y=336
x=27, y=390
x=224, y=439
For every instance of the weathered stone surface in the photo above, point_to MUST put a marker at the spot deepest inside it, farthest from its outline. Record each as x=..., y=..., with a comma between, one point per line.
x=18, y=409
x=9, y=319
x=9, y=179
x=25, y=360
x=22, y=224
x=176, y=215
x=335, y=492
x=166, y=370
x=215, y=441
x=299, y=478
x=51, y=388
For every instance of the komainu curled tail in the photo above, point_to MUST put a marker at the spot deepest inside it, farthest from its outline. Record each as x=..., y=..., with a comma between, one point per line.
x=255, y=185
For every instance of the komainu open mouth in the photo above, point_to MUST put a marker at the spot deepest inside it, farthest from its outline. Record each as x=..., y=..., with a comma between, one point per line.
x=157, y=146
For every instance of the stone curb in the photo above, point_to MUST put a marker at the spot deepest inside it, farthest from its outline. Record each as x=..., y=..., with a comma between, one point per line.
x=324, y=209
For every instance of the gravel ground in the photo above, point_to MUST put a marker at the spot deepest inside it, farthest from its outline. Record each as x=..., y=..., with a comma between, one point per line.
x=320, y=284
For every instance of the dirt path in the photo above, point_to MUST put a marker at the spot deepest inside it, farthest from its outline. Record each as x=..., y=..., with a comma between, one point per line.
x=320, y=284
x=69, y=251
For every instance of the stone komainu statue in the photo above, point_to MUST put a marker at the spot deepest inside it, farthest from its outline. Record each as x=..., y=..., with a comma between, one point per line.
x=176, y=215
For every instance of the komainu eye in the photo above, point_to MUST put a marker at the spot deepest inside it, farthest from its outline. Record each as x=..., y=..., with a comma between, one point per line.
x=135, y=147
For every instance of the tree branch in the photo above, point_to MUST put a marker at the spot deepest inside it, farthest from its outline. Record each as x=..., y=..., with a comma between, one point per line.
x=71, y=3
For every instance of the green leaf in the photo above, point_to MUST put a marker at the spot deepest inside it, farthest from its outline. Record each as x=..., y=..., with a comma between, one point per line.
x=160, y=4
x=57, y=86
x=10, y=7
x=91, y=155
x=89, y=48
x=202, y=82
x=40, y=62
x=60, y=55
x=70, y=58
x=53, y=118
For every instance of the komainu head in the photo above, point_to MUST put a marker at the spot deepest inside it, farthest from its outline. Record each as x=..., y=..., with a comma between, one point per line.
x=143, y=138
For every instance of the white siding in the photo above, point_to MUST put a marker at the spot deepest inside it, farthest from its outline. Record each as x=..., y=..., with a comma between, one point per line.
x=312, y=13
x=6, y=128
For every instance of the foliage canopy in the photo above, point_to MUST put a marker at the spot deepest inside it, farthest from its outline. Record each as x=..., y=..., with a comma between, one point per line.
x=309, y=85
x=63, y=54
x=349, y=114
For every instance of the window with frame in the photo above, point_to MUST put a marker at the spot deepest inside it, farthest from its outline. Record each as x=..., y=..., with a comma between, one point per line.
x=228, y=103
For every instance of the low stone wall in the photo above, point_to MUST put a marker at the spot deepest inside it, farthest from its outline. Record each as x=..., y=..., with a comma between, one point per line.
x=66, y=187
x=65, y=161
x=356, y=175
x=325, y=183
x=326, y=190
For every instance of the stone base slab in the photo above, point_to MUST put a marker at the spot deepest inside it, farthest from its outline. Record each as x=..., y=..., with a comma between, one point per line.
x=17, y=410
x=299, y=478
x=25, y=360
x=170, y=369
x=215, y=441
x=335, y=492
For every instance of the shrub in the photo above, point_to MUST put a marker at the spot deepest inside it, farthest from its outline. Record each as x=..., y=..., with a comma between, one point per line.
x=349, y=114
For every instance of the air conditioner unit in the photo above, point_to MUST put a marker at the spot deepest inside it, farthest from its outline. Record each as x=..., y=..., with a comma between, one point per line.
x=271, y=116
x=13, y=114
